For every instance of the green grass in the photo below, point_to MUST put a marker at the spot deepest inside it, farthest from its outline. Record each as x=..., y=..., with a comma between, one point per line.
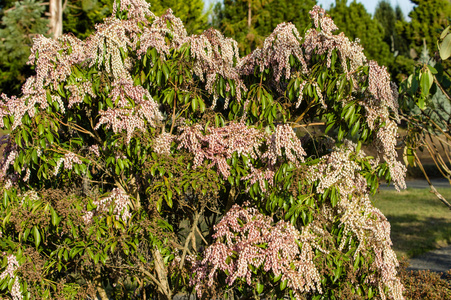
x=420, y=222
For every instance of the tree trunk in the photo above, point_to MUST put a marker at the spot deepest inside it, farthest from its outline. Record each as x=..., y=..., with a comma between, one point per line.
x=56, y=18
x=249, y=14
x=162, y=274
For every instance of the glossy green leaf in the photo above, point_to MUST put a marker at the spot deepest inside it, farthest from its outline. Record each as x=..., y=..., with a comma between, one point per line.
x=445, y=48
x=37, y=236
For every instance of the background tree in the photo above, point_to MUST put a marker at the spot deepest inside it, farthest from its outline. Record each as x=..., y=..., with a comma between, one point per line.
x=240, y=19
x=191, y=12
x=386, y=16
x=20, y=24
x=428, y=19
x=142, y=162
x=80, y=17
x=232, y=17
x=392, y=20
x=357, y=23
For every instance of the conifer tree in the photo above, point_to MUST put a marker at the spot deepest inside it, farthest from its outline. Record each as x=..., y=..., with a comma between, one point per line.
x=232, y=17
x=428, y=19
x=20, y=24
x=189, y=11
x=357, y=23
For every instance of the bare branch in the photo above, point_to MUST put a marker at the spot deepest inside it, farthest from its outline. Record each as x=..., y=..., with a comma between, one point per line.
x=433, y=190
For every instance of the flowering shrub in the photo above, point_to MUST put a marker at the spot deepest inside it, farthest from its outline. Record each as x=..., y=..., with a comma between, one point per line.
x=143, y=162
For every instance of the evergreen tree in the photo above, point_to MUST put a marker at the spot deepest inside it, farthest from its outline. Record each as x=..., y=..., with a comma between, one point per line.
x=20, y=24
x=357, y=23
x=80, y=16
x=392, y=20
x=232, y=17
x=189, y=11
x=428, y=19
x=386, y=16
x=281, y=11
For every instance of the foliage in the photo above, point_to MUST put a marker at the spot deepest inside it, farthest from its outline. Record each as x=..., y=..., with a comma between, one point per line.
x=425, y=104
x=142, y=162
x=425, y=284
x=357, y=23
x=19, y=25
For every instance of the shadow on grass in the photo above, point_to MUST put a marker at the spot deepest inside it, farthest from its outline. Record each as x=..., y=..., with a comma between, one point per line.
x=413, y=235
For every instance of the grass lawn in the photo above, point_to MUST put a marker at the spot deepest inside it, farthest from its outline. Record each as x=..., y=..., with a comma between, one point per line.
x=419, y=221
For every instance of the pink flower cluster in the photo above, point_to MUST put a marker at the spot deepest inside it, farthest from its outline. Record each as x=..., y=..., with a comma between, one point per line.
x=165, y=27
x=220, y=143
x=122, y=118
x=245, y=238
x=136, y=9
x=324, y=41
x=260, y=176
x=78, y=92
x=12, y=266
x=277, y=48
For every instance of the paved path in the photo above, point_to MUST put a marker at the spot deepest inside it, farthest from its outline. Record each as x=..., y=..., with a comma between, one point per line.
x=419, y=184
x=437, y=261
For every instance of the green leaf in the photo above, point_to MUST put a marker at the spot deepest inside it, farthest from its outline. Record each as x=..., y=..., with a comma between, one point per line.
x=194, y=103
x=444, y=33
x=426, y=81
x=283, y=284
x=445, y=48
x=165, y=71
x=260, y=288
x=37, y=236
x=55, y=219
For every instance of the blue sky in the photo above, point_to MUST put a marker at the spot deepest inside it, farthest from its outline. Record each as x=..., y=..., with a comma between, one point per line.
x=370, y=5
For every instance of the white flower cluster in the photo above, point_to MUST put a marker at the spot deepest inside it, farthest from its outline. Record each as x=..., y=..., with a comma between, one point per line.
x=284, y=41
x=12, y=266
x=78, y=92
x=104, y=47
x=162, y=143
x=121, y=203
x=262, y=176
x=324, y=41
x=123, y=118
x=216, y=56
x=68, y=159
x=8, y=162
x=136, y=9
x=357, y=214
x=284, y=137
x=95, y=150
x=154, y=35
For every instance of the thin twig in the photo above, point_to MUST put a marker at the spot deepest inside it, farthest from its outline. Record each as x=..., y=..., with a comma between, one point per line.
x=202, y=237
x=433, y=190
x=307, y=125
